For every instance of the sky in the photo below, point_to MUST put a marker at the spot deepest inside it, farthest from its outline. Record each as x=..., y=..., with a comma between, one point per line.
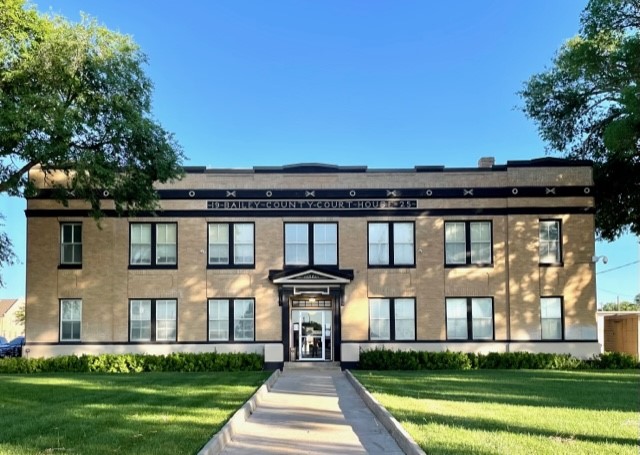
x=386, y=84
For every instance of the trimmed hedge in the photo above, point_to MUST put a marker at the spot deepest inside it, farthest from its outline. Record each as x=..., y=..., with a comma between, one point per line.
x=383, y=359
x=134, y=363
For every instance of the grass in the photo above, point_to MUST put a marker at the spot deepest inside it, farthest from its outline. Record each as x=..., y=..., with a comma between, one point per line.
x=514, y=411
x=149, y=413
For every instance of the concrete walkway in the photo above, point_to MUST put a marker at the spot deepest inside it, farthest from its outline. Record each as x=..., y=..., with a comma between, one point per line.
x=312, y=411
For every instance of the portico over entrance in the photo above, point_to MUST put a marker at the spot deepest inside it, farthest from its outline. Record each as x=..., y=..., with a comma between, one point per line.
x=311, y=299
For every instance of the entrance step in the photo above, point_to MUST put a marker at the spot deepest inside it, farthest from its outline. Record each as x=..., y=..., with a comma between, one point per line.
x=292, y=366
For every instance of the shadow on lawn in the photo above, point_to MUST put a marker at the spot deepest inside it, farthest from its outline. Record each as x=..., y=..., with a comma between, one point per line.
x=138, y=413
x=593, y=390
x=494, y=425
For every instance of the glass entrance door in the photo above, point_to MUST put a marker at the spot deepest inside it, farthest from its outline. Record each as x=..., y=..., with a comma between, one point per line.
x=312, y=334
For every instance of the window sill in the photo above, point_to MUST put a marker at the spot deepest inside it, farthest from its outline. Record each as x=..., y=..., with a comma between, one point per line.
x=153, y=267
x=472, y=340
x=551, y=264
x=151, y=342
x=393, y=266
x=230, y=266
x=69, y=266
x=475, y=266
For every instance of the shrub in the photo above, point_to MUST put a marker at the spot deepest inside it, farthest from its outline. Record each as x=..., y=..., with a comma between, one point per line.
x=134, y=363
x=383, y=359
x=614, y=361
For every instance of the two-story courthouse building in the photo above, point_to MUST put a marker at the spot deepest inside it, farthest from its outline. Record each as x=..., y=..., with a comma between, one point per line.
x=314, y=262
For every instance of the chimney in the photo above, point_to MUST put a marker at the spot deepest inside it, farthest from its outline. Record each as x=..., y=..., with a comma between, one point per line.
x=486, y=162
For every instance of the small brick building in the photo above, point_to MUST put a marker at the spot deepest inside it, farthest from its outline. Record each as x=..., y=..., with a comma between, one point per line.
x=618, y=331
x=315, y=262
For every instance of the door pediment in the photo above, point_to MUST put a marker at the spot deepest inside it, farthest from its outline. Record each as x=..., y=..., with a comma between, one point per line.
x=311, y=276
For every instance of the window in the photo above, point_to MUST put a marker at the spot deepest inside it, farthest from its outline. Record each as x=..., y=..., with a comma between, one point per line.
x=551, y=318
x=379, y=320
x=383, y=327
x=166, y=244
x=231, y=245
x=218, y=320
x=391, y=244
x=311, y=243
x=165, y=320
x=243, y=320
x=405, y=319
x=467, y=242
x=71, y=244
x=153, y=245
x=469, y=318
x=153, y=320
x=70, y=319
x=550, y=241
x=224, y=312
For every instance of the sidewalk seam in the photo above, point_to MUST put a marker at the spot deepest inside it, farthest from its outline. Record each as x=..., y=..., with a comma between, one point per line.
x=220, y=440
x=397, y=432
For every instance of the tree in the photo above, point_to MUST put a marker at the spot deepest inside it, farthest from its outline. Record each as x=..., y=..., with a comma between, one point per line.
x=587, y=106
x=620, y=306
x=75, y=97
x=20, y=316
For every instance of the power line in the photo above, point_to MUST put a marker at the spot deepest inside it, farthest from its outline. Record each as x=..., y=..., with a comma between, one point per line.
x=618, y=268
x=614, y=292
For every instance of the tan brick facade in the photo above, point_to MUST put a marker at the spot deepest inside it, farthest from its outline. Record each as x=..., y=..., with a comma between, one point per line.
x=512, y=198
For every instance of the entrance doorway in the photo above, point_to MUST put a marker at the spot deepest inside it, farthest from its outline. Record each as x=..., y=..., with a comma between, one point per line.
x=312, y=333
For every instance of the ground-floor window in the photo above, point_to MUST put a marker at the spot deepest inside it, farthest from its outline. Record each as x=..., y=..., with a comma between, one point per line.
x=469, y=318
x=392, y=319
x=551, y=318
x=153, y=320
x=70, y=319
x=231, y=320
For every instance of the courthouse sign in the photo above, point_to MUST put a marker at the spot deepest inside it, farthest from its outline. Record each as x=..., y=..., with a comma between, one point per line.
x=324, y=204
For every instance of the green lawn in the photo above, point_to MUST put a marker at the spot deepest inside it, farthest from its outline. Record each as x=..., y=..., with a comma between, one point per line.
x=148, y=413
x=514, y=411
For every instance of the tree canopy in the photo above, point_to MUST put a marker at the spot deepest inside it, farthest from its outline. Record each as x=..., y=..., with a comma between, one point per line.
x=75, y=97
x=587, y=106
x=620, y=306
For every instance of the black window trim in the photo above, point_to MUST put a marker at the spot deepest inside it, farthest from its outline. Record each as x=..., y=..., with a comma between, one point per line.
x=310, y=244
x=391, y=264
x=470, y=319
x=467, y=240
x=154, y=246
x=154, y=321
x=551, y=264
x=392, y=319
x=60, y=340
x=562, y=327
x=62, y=265
x=231, y=339
x=231, y=264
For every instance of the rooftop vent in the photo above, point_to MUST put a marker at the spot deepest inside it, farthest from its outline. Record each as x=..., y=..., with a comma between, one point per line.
x=486, y=162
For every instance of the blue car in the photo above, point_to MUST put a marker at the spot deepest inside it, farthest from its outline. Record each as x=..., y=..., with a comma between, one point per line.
x=13, y=348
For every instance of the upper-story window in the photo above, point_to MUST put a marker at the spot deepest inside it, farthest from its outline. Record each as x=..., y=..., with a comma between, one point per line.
x=71, y=244
x=311, y=244
x=231, y=245
x=550, y=242
x=153, y=245
x=391, y=244
x=468, y=242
